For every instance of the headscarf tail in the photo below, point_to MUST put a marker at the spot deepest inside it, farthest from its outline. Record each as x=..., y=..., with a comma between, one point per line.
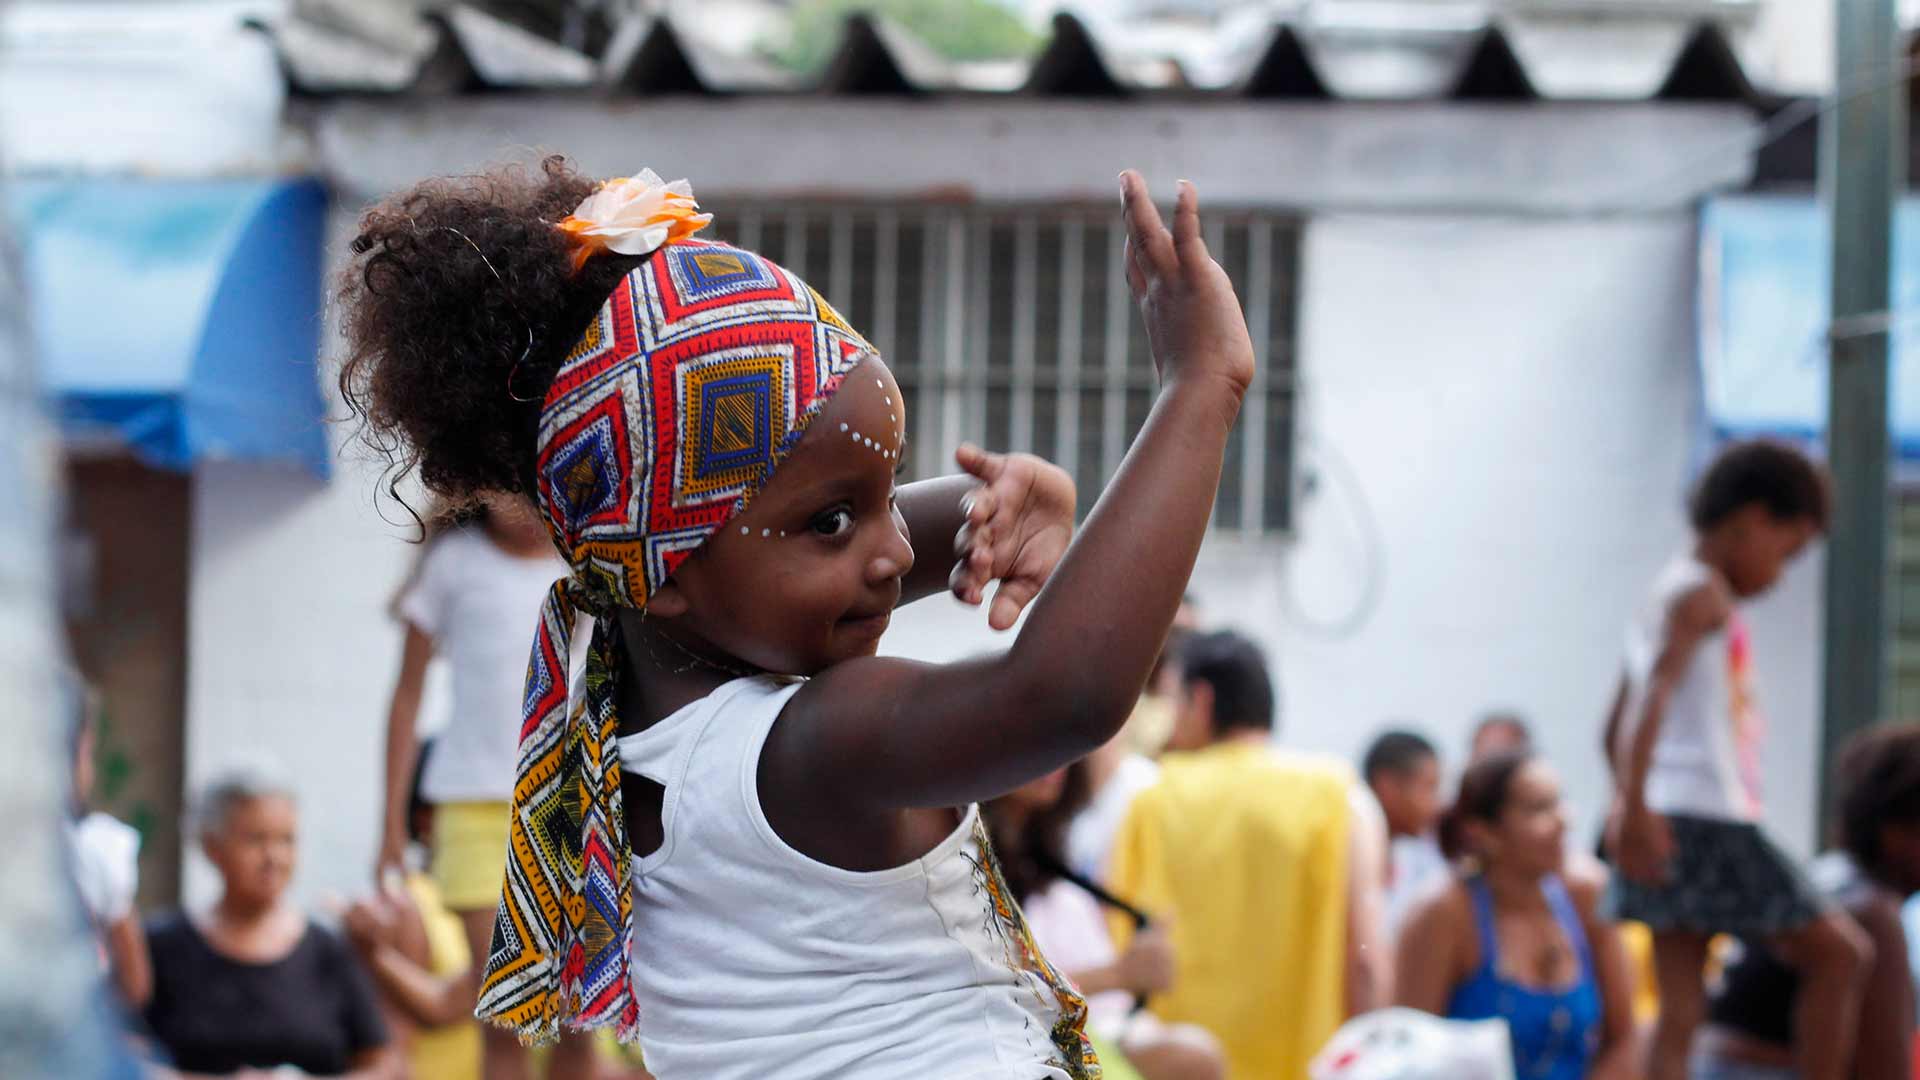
x=558, y=957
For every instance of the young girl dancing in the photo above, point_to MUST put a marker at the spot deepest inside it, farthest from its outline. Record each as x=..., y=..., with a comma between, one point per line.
x=1684, y=735
x=753, y=842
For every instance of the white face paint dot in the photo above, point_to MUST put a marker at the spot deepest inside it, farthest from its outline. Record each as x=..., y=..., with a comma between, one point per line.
x=843, y=427
x=856, y=436
x=743, y=530
x=766, y=532
x=879, y=384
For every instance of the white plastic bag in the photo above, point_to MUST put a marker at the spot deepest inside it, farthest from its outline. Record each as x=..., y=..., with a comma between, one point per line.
x=106, y=865
x=1406, y=1044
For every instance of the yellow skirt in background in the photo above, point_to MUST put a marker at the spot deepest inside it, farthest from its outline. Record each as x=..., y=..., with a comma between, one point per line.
x=470, y=853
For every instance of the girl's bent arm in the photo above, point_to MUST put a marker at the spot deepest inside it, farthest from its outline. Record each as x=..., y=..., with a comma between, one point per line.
x=1618, y=1058
x=1693, y=617
x=403, y=713
x=1426, y=964
x=1884, y=1050
x=932, y=511
x=1644, y=844
x=130, y=960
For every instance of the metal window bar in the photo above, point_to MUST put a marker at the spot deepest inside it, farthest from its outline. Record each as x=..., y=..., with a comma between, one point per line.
x=1073, y=246
x=840, y=260
x=795, y=255
x=886, y=270
x=979, y=315
x=951, y=392
x=1113, y=403
x=1253, y=475
x=932, y=344
x=1026, y=239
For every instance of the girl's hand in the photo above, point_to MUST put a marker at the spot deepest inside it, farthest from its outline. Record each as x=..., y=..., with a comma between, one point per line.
x=1019, y=520
x=1147, y=966
x=1194, y=322
x=392, y=858
x=368, y=925
x=1644, y=845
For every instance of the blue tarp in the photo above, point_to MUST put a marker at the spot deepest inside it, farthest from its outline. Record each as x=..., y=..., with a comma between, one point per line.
x=1764, y=304
x=179, y=318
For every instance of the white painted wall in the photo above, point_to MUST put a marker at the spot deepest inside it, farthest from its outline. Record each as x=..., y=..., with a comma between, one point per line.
x=291, y=653
x=1515, y=401
x=1512, y=402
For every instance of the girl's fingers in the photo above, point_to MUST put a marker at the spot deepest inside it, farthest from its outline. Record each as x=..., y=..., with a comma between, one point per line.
x=1186, y=224
x=979, y=463
x=973, y=563
x=961, y=583
x=980, y=556
x=982, y=504
x=1009, y=600
x=1136, y=277
x=1149, y=234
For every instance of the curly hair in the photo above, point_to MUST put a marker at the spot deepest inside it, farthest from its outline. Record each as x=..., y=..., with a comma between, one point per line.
x=458, y=306
x=1773, y=474
x=1876, y=779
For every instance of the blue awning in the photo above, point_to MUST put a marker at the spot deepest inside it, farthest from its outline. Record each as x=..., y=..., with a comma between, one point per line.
x=181, y=319
x=1764, y=304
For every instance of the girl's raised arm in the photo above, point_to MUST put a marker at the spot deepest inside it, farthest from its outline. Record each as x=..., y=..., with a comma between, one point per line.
x=882, y=734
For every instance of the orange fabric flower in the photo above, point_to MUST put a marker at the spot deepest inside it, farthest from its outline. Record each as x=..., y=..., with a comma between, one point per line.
x=632, y=215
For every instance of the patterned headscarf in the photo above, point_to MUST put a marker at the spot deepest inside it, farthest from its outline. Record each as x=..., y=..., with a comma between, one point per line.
x=696, y=379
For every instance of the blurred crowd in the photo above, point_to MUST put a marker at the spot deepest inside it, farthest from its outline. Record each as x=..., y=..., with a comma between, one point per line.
x=1225, y=903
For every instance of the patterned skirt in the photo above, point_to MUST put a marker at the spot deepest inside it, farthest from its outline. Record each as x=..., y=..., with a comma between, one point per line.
x=1726, y=878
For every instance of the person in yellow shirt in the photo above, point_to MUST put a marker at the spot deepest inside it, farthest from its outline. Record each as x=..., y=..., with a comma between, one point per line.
x=408, y=918
x=1268, y=866
x=417, y=950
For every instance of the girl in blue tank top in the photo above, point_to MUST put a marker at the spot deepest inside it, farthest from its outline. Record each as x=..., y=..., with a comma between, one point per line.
x=1516, y=940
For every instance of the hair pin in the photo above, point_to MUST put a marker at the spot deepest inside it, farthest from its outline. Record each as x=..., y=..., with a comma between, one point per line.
x=514, y=371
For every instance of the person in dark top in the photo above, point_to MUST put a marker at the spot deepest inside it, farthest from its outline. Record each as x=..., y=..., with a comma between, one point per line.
x=251, y=985
x=1876, y=867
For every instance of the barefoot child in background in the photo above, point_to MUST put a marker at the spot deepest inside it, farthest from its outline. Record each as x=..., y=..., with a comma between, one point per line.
x=779, y=826
x=1685, y=734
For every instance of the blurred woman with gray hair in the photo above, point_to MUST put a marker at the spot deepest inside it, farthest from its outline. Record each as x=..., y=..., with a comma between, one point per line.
x=251, y=986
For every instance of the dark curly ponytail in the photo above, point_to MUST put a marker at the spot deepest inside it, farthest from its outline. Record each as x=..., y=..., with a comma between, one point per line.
x=1484, y=790
x=450, y=281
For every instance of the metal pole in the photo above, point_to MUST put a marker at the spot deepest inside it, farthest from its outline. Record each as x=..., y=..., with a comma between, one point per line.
x=1863, y=164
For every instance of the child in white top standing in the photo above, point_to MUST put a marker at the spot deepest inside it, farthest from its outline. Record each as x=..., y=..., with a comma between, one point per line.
x=482, y=574
x=1686, y=736
x=756, y=844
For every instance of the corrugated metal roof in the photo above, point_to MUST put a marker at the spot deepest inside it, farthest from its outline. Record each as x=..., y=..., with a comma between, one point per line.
x=326, y=49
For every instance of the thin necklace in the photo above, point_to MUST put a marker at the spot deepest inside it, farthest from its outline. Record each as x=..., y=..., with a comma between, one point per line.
x=694, y=659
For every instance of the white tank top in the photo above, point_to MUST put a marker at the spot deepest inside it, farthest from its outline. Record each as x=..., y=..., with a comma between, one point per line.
x=1706, y=761
x=751, y=960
